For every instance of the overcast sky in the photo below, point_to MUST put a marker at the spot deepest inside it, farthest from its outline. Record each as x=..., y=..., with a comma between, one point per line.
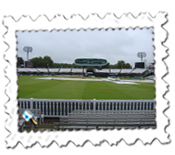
x=66, y=46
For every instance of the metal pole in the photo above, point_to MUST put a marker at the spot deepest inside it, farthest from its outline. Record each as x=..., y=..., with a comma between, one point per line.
x=27, y=55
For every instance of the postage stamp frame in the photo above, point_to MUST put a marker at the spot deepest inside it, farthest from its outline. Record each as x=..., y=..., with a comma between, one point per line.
x=93, y=22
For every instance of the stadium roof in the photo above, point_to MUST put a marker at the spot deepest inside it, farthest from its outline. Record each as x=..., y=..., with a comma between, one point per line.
x=102, y=70
x=126, y=71
x=77, y=70
x=115, y=70
x=139, y=70
x=55, y=70
x=65, y=70
x=43, y=70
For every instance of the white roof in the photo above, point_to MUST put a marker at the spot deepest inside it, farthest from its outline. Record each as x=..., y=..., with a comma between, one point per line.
x=139, y=70
x=42, y=70
x=126, y=71
x=65, y=70
x=31, y=69
x=22, y=70
x=53, y=69
x=115, y=70
x=102, y=70
x=77, y=70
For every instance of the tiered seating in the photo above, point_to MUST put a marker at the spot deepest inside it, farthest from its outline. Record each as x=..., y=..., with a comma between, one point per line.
x=102, y=70
x=32, y=70
x=53, y=70
x=20, y=70
x=65, y=70
x=115, y=71
x=138, y=71
x=42, y=70
x=126, y=71
x=82, y=114
x=77, y=70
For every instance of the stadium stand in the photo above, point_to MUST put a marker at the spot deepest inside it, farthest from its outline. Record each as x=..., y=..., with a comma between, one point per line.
x=150, y=77
x=102, y=70
x=42, y=70
x=88, y=114
x=27, y=71
x=115, y=71
x=22, y=70
x=77, y=70
x=65, y=71
x=126, y=71
x=83, y=71
x=138, y=71
x=32, y=71
x=53, y=71
x=101, y=73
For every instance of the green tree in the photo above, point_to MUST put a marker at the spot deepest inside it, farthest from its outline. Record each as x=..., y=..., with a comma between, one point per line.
x=75, y=66
x=106, y=66
x=41, y=62
x=38, y=62
x=20, y=61
x=128, y=66
x=48, y=62
x=121, y=64
x=35, y=61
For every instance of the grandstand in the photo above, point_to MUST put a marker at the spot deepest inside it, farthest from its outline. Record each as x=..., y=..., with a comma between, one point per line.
x=32, y=70
x=27, y=71
x=78, y=71
x=126, y=71
x=115, y=71
x=53, y=71
x=139, y=72
x=43, y=71
x=65, y=71
x=101, y=72
x=22, y=70
x=92, y=114
x=106, y=72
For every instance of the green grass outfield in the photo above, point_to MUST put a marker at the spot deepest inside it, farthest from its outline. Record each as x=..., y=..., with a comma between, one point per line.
x=31, y=87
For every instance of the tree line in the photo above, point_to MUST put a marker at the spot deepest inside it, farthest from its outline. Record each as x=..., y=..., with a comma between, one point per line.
x=47, y=62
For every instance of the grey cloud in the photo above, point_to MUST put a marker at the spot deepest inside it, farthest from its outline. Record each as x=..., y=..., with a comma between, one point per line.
x=66, y=46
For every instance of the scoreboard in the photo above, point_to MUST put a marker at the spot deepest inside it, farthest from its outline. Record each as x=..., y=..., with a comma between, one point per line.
x=29, y=64
x=139, y=65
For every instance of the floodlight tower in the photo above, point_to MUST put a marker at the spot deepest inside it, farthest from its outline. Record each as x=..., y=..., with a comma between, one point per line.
x=27, y=49
x=141, y=55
